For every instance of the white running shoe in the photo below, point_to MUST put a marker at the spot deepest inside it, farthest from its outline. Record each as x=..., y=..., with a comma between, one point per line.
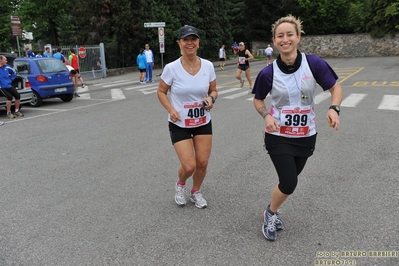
x=198, y=199
x=180, y=195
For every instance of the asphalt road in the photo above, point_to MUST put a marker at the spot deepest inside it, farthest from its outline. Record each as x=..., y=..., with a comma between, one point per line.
x=91, y=182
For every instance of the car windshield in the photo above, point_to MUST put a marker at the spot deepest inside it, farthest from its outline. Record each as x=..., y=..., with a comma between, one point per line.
x=51, y=65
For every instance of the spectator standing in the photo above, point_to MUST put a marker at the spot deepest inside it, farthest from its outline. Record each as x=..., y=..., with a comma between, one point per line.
x=269, y=54
x=46, y=52
x=222, y=57
x=141, y=61
x=290, y=123
x=7, y=76
x=59, y=55
x=190, y=82
x=74, y=62
x=150, y=63
x=29, y=52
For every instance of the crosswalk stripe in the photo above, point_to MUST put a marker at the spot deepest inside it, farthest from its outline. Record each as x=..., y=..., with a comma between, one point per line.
x=117, y=94
x=353, y=99
x=113, y=82
x=389, y=102
x=119, y=83
x=84, y=96
x=148, y=91
x=321, y=97
x=237, y=95
x=228, y=90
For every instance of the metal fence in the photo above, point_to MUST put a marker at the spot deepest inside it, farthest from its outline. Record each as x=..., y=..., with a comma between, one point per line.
x=89, y=57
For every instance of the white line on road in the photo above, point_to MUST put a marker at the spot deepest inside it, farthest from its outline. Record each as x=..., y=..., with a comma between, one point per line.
x=237, y=95
x=389, y=102
x=353, y=99
x=228, y=90
x=321, y=97
x=113, y=82
x=117, y=94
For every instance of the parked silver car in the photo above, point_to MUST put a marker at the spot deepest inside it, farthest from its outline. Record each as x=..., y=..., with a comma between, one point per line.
x=20, y=83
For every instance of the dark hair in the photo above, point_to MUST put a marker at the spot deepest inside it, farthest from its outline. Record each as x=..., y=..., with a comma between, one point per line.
x=141, y=50
x=59, y=49
x=72, y=50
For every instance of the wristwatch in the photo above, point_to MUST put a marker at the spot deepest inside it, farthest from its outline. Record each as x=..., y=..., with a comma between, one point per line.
x=335, y=108
x=213, y=98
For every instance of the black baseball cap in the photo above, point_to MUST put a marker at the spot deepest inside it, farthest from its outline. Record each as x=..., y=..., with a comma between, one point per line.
x=188, y=30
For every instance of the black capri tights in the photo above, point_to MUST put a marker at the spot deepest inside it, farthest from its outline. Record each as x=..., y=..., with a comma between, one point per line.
x=288, y=168
x=10, y=93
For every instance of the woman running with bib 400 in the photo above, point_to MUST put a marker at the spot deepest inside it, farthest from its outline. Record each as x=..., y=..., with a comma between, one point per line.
x=191, y=83
x=290, y=130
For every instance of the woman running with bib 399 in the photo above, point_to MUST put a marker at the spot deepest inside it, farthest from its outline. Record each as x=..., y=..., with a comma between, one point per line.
x=290, y=129
x=191, y=83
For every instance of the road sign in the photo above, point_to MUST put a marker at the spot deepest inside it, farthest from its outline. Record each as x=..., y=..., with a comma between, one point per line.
x=161, y=47
x=16, y=26
x=82, y=52
x=154, y=24
x=161, y=35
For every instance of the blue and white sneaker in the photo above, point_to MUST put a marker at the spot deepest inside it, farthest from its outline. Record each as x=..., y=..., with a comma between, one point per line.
x=269, y=225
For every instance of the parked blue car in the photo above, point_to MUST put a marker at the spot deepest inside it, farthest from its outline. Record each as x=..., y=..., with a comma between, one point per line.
x=48, y=78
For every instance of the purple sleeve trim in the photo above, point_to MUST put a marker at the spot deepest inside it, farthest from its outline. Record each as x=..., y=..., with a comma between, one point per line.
x=323, y=73
x=263, y=83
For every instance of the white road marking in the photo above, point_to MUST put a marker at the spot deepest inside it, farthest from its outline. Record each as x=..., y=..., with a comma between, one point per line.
x=353, y=99
x=389, y=102
x=321, y=97
x=117, y=94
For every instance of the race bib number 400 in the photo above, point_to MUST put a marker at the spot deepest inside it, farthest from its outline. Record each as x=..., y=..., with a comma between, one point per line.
x=193, y=114
x=294, y=121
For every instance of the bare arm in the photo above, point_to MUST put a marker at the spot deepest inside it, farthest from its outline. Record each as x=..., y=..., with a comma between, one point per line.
x=336, y=99
x=250, y=56
x=270, y=123
x=162, y=92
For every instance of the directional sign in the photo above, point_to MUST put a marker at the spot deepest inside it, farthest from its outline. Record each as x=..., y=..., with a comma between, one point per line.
x=154, y=24
x=16, y=26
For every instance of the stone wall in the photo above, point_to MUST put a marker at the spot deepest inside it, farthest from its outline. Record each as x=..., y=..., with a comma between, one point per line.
x=342, y=45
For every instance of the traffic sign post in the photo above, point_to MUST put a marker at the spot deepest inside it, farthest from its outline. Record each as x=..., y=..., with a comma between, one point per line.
x=161, y=35
x=16, y=29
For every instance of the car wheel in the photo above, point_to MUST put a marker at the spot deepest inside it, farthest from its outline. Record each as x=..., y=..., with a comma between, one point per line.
x=67, y=98
x=36, y=100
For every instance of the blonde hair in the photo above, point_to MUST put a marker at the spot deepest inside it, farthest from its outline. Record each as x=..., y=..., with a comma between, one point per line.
x=289, y=19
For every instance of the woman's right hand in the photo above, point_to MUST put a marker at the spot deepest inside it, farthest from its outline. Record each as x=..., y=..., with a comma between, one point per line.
x=174, y=115
x=271, y=124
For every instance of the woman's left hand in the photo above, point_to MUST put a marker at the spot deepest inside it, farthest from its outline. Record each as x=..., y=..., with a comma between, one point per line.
x=210, y=103
x=333, y=119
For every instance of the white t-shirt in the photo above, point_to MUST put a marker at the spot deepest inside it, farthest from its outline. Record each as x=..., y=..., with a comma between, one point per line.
x=221, y=53
x=269, y=51
x=149, y=56
x=187, y=91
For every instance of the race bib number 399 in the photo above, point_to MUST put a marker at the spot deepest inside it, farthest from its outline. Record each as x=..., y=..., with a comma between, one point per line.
x=294, y=121
x=194, y=114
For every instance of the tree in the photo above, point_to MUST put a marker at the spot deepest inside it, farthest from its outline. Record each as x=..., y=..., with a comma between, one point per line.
x=385, y=17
